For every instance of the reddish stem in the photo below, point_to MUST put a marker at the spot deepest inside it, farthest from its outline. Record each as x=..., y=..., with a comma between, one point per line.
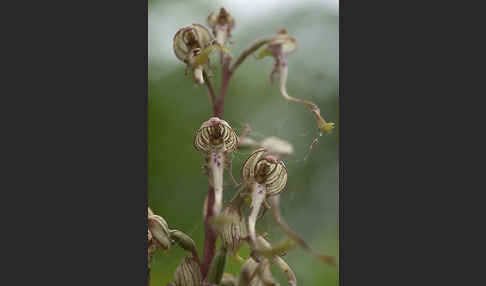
x=226, y=75
x=207, y=81
x=210, y=235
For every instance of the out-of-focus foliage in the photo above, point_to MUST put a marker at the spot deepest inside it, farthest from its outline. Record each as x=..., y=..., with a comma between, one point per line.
x=177, y=107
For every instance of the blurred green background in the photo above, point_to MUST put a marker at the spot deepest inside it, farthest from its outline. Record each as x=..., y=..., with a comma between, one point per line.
x=177, y=107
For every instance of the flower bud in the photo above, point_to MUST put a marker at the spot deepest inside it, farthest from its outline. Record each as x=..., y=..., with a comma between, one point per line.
x=160, y=232
x=184, y=241
x=188, y=273
x=222, y=24
x=234, y=230
x=215, y=133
